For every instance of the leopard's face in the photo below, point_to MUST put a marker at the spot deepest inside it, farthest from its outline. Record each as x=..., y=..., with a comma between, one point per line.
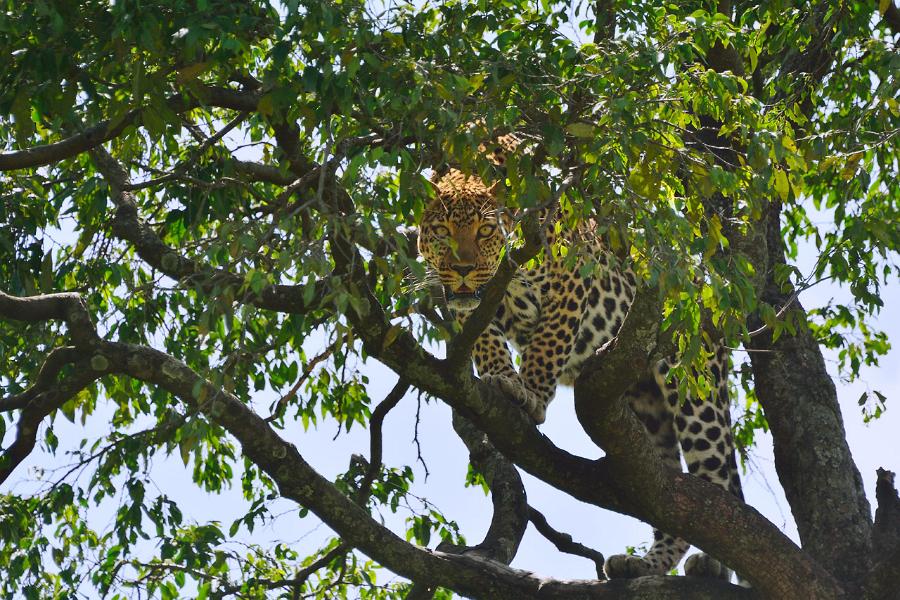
x=461, y=239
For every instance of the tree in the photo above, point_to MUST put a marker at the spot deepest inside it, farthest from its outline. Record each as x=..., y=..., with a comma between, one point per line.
x=191, y=190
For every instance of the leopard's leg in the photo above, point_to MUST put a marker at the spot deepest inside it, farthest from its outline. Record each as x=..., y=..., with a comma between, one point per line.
x=551, y=343
x=494, y=364
x=648, y=403
x=704, y=431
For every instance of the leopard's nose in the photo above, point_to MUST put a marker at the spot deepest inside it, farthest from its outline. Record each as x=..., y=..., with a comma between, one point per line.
x=463, y=270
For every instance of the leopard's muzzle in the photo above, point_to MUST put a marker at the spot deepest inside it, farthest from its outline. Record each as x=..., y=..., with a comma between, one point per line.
x=463, y=299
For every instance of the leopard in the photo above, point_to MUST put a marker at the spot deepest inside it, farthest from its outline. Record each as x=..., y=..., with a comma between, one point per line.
x=556, y=317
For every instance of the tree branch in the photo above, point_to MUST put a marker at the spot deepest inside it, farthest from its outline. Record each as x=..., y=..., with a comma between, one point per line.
x=883, y=580
x=509, y=517
x=510, y=505
x=47, y=394
x=46, y=377
x=683, y=501
x=469, y=575
x=296, y=581
x=128, y=226
x=564, y=541
x=261, y=172
x=375, y=438
x=892, y=17
x=66, y=307
x=106, y=130
x=46, y=398
x=178, y=172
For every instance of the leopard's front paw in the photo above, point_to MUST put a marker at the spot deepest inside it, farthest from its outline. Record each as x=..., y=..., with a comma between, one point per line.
x=627, y=566
x=704, y=565
x=522, y=395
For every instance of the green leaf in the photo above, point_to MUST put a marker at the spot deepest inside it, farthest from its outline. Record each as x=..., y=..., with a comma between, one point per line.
x=185, y=446
x=582, y=130
x=782, y=186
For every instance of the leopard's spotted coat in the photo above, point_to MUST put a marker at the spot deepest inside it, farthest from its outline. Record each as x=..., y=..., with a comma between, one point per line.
x=556, y=319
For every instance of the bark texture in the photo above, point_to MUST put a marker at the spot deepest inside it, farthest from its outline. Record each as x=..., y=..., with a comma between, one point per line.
x=814, y=463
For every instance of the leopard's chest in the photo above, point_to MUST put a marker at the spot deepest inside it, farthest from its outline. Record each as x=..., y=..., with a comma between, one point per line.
x=608, y=299
x=520, y=312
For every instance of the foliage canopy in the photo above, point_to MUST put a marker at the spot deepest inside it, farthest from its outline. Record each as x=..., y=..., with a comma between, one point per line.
x=222, y=182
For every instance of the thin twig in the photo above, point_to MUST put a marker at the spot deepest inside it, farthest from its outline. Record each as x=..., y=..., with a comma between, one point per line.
x=416, y=436
x=180, y=168
x=281, y=405
x=787, y=305
x=564, y=541
x=375, y=438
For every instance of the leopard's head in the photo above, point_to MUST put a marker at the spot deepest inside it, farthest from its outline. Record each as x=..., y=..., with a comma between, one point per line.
x=461, y=238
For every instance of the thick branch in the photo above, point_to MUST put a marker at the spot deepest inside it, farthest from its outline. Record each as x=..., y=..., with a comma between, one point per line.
x=892, y=17
x=509, y=518
x=469, y=575
x=46, y=377
x=883, y=579
x=64, y=307
x=48, y=396
x=510, y=505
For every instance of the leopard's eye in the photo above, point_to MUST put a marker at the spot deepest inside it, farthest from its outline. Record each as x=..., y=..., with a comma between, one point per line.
x=486, y=230
x=440, y=231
